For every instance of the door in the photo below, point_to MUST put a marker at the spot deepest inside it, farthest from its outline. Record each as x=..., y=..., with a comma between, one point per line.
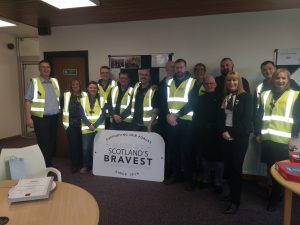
x=29, y=70
x=66, y=66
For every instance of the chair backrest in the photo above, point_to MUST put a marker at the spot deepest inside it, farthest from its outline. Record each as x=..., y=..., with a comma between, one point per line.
x=33, y=159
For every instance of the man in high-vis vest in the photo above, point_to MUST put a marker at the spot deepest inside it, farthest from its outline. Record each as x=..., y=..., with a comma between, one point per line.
x=41, y=109
x=199, y=73
x=278, y=125
x=105, y=84
x=119, y=104
x=182, y=92
x=268, y=68
x=144, y=109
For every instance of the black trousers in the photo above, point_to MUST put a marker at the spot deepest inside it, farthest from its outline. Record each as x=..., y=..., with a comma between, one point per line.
x=75, y=142
x=179, y=150
x=234, y=153
x=46, y=130
x=272, y=152
x=161, y=128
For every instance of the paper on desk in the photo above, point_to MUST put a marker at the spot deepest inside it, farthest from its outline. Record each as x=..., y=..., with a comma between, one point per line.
x=31, y=189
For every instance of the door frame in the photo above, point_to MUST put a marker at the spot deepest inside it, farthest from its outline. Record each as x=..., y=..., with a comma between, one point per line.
x=49, y=56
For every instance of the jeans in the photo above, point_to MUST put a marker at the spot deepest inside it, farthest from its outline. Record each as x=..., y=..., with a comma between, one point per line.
x=87, y=150
x=75, y=143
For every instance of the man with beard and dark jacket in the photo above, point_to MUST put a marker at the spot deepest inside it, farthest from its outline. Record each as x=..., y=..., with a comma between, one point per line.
x=182, y=91
x=226, y=66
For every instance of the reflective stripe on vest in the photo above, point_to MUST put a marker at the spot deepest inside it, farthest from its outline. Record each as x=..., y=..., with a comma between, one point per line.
x=39, y=96
x=258, y=92
x=178, y=97
x=104, y=94
x=277, y=119
x=125, y=101
x=92, y=117
x=67, y=97
x=147, y=104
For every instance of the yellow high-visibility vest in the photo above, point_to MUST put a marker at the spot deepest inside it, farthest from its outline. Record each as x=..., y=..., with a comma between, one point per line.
x=202, y=90
x=39, y=96
x=91, y=115
x=67, y=97
x=104, y=94
x=124, y=102
x=277, y=119
x=177, y=98
x=147, y=104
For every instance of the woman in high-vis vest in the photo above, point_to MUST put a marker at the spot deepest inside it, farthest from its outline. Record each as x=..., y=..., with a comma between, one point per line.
x=235, y=125
x=92, y=116
x=277, y=125
x=70, y=104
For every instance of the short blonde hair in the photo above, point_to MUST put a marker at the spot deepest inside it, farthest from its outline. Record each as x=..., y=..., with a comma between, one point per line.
x=235, y=75
x=281, y=70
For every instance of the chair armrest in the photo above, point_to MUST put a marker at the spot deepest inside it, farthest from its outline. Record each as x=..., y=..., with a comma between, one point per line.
x=54, y=170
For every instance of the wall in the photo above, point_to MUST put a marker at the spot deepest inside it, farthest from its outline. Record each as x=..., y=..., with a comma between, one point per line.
x=248, y=38
x=9, y=94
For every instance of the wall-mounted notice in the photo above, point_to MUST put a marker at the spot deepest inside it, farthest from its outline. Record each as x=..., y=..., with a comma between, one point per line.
x=289, y=56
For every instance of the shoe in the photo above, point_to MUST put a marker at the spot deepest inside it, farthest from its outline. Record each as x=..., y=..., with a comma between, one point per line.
x=74, y=170
x=83, y=170
x=226, y=198
x=231, y=209
x=218, y=189
x=189, y=186
x=171, y=180
x=202, y=185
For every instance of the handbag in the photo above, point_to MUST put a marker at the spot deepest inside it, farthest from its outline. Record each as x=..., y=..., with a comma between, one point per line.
x=16, y=168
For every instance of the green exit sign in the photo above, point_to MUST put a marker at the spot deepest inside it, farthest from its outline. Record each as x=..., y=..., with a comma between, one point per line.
x=69, y=71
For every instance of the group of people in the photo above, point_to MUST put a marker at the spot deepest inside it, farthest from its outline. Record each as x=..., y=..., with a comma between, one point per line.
x=205, y=121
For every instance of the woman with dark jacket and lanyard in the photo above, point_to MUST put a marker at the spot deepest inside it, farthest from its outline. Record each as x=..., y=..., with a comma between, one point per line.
x=277, y=125
x=235, y=125
x=70, y=103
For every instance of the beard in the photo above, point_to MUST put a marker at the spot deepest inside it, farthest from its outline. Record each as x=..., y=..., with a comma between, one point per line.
x=225, y=71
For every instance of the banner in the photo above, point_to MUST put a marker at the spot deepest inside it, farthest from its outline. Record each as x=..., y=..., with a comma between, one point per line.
x=128, y=154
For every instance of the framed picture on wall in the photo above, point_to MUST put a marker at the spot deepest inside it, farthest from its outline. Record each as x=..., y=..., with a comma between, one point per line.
x=133, y=62
x=159, y=60
x=117, y=62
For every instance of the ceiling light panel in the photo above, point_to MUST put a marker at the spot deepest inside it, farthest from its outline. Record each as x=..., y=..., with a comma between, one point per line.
x=6, y=24
x=67, y=4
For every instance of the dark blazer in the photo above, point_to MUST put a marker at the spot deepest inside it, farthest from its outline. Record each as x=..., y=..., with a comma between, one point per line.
x=241, y=119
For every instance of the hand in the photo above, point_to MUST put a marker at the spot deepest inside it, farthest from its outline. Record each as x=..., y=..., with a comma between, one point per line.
x=292, y=144
x=258, y=139
x=117, y=118
x=226, y=136
x=29, y=123
x=92, y=127
x=171, y=119
x=149, y=127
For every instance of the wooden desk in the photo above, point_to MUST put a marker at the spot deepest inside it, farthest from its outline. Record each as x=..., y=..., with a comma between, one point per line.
x=67, y=204
x=289, y=188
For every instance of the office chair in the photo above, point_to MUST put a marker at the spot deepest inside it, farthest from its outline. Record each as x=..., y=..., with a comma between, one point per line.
x=33, y=159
